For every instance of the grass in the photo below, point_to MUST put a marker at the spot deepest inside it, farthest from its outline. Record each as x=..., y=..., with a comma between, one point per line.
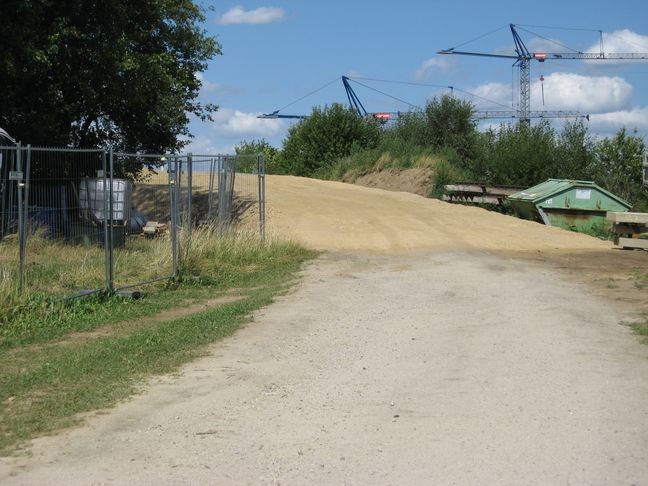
x=392, y=153
x=640, y=328
x=57, y=269
x=55, y=364
x=640, y=279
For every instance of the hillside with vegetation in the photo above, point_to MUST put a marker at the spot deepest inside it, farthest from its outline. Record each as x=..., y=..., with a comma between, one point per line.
x=443, y=143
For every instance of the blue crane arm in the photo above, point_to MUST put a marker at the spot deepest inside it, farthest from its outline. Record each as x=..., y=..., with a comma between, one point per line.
x=354, y=101
x=482, y=54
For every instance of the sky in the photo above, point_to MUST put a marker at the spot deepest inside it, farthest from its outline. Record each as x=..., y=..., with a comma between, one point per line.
x=276, y=52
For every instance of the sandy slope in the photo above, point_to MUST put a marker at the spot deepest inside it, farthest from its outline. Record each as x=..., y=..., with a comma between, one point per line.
x=336, y=216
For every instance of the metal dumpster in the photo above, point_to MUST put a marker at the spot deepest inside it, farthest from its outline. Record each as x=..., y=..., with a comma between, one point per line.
x=575, y=205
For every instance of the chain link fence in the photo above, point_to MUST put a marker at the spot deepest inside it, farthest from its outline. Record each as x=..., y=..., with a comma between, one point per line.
x=75, y=222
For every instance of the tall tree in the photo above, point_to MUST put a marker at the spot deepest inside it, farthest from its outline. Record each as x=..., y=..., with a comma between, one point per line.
x=84, y=73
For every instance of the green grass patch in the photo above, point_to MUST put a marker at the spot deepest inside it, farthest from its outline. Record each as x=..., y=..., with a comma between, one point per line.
x=208, y=264
x=48, y=376
x=640, y=279
x=640, y=328
x=392, y=153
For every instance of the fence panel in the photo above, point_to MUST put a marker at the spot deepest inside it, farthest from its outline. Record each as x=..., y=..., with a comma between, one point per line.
x=79, y=221
x=145, y=219
x=65, y=229
x=51, y=241
x=9, y=244
x=227, y=190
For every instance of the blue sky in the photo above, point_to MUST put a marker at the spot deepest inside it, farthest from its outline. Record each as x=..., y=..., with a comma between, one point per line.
x=274, y=52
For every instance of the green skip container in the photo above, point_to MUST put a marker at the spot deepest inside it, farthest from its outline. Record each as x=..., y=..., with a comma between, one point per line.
x=574, y=205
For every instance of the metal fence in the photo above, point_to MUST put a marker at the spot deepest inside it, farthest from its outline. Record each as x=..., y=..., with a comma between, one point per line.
x=75, y=222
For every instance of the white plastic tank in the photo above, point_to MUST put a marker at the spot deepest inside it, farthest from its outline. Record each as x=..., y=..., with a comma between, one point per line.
x=93, y=194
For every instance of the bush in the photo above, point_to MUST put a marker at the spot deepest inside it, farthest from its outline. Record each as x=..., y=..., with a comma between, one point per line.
x=446, y=122
x=518, y=155
x=617, y=166
x=256, y=147
x=328, y=134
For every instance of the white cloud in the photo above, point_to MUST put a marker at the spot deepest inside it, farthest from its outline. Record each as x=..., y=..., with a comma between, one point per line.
x=230, y=123
x=636, y=117
x=261, y=15
x=622, y=41
x=562, y=91
x=587, y=94
x=206, y=145
x=499, y=93
x=442, y=64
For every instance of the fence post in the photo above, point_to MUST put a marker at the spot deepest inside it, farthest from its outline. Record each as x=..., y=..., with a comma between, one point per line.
x=222, y=196
x=261, y=176
x=172, y=170
x=109, y=234
x=20, y=180
x=104, y=175
x=25, y=225
x=210, y=194
x=189, y=194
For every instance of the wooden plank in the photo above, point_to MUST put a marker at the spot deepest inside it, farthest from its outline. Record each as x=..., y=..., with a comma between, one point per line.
x=502, y=190
x=480, y=199
x=464, y=188
x=631, y=243
x=621, y=217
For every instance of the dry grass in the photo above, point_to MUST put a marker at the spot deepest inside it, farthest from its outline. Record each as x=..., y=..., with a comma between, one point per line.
x=57, y=269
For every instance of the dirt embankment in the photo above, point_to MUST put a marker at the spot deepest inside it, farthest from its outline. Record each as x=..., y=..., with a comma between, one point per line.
x=417, y=180
x=344, y=217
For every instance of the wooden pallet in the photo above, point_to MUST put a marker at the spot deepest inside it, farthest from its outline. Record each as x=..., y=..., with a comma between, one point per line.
x=477, y=192
x=153, y=229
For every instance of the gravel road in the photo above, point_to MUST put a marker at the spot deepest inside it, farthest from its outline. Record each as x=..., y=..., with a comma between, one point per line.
x=418, y=350
x=447, y=368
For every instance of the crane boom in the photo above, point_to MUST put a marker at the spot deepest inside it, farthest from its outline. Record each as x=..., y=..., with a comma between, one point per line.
x=523, y=61
x=590, y=56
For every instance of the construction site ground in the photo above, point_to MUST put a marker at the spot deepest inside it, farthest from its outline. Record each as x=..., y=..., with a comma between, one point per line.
x=429, y=343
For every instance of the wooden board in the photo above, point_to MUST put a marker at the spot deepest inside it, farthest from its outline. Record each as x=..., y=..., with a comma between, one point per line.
x=621, y=217
x=475, y=198
x=631, y=243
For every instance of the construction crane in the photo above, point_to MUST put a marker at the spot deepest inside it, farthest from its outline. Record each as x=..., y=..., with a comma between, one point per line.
x=523, y=60
x=354, y=102
x=358, y=107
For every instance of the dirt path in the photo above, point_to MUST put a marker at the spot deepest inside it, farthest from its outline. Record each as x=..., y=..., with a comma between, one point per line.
x=435, y=352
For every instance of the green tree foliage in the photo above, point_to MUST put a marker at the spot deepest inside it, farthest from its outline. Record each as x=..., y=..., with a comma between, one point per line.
x=446, y=123
x=518, y=155
x=87, y=73
x=450, y=125
x=258, y=147
x=328, y=134
x=617, y=166
x=575, y=153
